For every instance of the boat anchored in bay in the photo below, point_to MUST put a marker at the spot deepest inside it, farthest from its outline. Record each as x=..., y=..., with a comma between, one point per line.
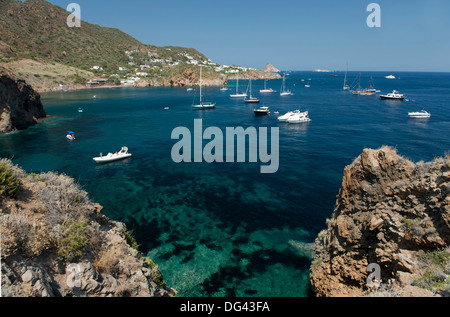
x=203, y=105
x=122, y=154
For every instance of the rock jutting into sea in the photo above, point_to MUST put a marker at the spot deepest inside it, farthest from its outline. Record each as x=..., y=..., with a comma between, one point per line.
x=57, y=243
x=269, y=68
x=391, y=215
x=20, y=105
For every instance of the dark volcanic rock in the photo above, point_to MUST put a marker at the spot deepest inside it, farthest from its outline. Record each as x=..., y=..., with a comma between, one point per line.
x=20, y=105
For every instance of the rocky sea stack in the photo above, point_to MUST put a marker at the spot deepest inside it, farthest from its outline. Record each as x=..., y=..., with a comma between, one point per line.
x=392, y=215
x=56, y=243
x=20, y=105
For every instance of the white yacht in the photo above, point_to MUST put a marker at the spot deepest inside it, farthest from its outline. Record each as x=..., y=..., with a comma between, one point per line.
x=285, y=117
x=122, y=154
x=419, y=114
x=298, y=118
x=390, y=77
x=394, y=95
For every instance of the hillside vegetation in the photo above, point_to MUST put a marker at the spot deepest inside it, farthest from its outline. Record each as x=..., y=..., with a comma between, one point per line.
x=37, y=44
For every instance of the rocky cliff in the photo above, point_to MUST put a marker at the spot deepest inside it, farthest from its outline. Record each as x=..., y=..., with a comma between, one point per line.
x=56, y=243
x=392, y=222
x=20, y=105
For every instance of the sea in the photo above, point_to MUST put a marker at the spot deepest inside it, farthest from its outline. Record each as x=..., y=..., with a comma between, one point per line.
x=226, y=229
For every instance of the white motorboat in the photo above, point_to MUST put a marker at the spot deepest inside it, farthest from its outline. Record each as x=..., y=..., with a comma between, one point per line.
x=394, y=95
x=262, y=111
x=285, y=117
x=298, y=118
x=190, y=89
x=419, y=114
x=224, y=89
x=390, y=77
x=122, y=154
x=80, y=110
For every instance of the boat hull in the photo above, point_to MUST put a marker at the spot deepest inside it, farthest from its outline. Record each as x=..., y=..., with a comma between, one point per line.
x=107, y=159
x=203, y=107
x=261, y=113
x=391, y=98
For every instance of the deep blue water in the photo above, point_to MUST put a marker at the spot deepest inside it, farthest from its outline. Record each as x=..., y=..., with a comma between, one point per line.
x=225, y=229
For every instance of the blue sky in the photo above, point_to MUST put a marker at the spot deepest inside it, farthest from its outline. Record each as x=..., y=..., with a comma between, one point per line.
x=291, y=34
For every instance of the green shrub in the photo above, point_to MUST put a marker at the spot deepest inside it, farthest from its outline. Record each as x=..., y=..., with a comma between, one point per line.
x=74, y=241
x=9, y=182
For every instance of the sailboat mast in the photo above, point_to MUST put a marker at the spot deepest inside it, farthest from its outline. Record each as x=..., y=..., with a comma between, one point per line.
x=345, y=79
x=200, y=85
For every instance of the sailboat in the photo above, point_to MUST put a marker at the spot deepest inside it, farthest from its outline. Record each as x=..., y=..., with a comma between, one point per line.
x=346, y=87
x=251, y=99
x=266, y=90
x=203, y=105
x=238, y=95
x=284, y=92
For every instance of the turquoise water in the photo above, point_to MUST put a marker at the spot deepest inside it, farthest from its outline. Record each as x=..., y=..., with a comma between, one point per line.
x=225, y=229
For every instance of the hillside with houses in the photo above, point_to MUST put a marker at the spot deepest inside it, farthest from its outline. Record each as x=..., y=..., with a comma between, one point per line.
x=37, y=45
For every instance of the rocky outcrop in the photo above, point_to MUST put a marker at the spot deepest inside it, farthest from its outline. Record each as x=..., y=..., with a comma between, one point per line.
x=392, y=217
x=20, y=105
x=57, y=243
x=269, y=68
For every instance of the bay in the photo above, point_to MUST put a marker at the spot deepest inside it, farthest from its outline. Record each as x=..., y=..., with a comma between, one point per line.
x=225, y=229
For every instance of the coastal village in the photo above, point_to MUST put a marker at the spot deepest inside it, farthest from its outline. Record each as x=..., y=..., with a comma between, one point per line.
x=143, y=65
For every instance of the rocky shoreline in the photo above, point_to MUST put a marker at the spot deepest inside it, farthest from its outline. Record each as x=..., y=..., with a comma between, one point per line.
x=392, y=218
x=20, y=104
x=57, y=243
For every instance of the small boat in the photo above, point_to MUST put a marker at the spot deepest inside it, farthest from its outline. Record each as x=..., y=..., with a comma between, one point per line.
x=285, y=117
x=390, y=77
x=251, y=99
x=224, y=89
x=262, y=111
x=122, y=154
x=284, y=92
x=203, y=105
x=266, y=90
x=308, y=85
x=395, y=95
x=166, y=108
x=238, y=94
x=80, y=110
x=70, y=136
x=95, y=96
x=190, y=89
x=419, y=114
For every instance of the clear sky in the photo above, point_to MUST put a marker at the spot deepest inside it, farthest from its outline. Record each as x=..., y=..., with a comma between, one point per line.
x=291, y=34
